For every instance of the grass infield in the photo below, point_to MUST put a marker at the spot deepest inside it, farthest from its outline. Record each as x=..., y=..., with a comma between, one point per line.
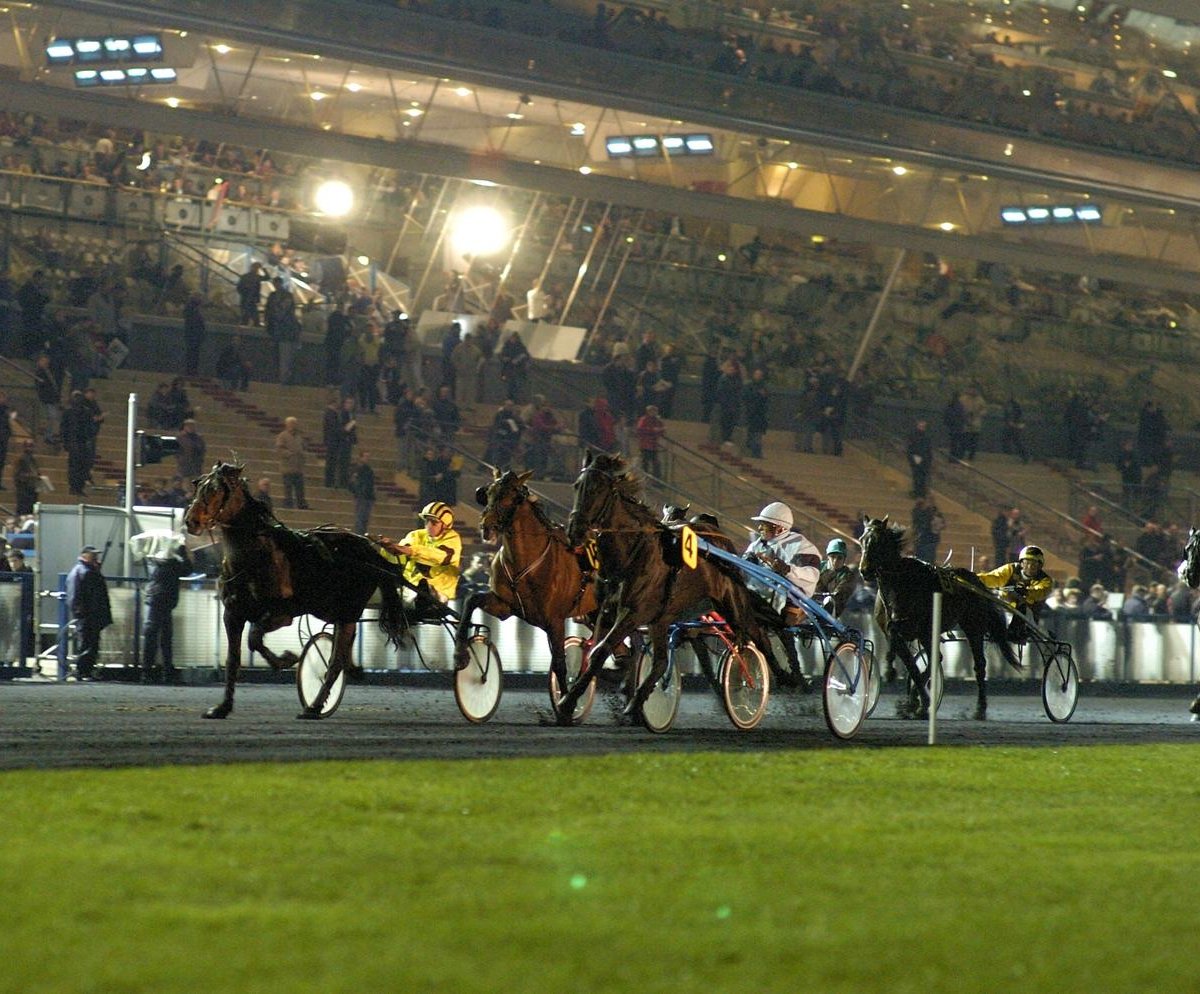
x=899, y=870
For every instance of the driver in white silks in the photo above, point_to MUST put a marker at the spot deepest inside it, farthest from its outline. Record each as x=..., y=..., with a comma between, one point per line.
x=783, y=550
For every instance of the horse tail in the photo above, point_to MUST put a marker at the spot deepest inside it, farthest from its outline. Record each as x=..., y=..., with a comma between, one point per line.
x=392, y=617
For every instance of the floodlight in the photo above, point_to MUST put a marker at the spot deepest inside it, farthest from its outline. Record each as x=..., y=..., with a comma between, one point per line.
x=699, y=144
x=163, y=75
x=1012, y=215
x=1038, y=213
x=87, y=77
x=88, y=50
x=112, y=75
x=1063, y=213
x=480, y=231
x=645, y=145
x=673, y=143
x=1088, y=213
x=618, y=146
x=335, y=198
x=59, y=52
x=117, y=48
x=147, y=47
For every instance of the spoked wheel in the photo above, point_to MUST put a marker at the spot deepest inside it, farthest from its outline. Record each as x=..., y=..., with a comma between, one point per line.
x=575, y=649
x=847, y=690
x=661, y=707
x=479, y=684
x=311, y=670
x=873, y=682
x=1060, y=686
x=745, y=685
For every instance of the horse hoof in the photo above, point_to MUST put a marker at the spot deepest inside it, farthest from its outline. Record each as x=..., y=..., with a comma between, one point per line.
x=219, y=711
x=980, y=713
x=307, y=715
x=1195, y=708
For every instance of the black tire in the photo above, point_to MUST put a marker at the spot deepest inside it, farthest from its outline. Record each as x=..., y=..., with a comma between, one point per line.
x=479, y=684
x=310, y=674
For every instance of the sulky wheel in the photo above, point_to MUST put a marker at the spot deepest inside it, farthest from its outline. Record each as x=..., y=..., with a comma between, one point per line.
x=745, y=685
x=311, y=670
x=478, y=685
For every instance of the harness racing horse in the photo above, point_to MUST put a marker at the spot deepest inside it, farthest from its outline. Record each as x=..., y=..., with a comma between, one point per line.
x=535, y=575
x=1189, y=573
x=907, y=585
x=271, y=574
x=643, y=581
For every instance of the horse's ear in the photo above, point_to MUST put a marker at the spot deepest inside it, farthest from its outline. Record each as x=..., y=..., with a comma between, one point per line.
x=525, y=477
x=884, y=519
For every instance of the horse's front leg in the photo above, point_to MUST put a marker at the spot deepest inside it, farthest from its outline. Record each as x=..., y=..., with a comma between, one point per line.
x=658, y=648
x=564, y=711
x=977, y=654
x=918, y=697
x=233, y=662
x=489, y=603
x=258, y=629
x=343, y=642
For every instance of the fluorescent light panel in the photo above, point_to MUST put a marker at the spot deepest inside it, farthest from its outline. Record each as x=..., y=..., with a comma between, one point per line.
x=115, y=48
x=1059, y=214
x=622, y=146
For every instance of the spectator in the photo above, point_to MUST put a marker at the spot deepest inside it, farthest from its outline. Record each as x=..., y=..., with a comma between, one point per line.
x=347, y=438
x=920, y=458
x=927, y=526
x=514, y=367
x=249, y=291
x=162, y=596
x=233, y=367
x=756, y=403
x=27, y=479
x=362, y=487
x=710, y=373
x=1014, y=429
x=289, y=443
x=369, y=343
x=190, y=458
x=439, y=475
x=33, y=296
x=338, y=327
x=8, y=417
x=75, y=435
x=262, y=494
x=1094, y=606
x=597, y=427
x=48, y=386
x=728, y=401
x=544, y=424
x=670, y=367
x=1092, y=520
x=1130, y=470
x=650, y=431
x=194, y=333
x=93, y=422
x=1000, y=536
x=954, y=417
x=446, y=414
x=88, y=606
x=466, y=362
x=451, y=339
x=504, y=436
x=283, y=327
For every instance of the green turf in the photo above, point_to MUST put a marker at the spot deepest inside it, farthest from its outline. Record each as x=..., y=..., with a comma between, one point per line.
x=832, y=870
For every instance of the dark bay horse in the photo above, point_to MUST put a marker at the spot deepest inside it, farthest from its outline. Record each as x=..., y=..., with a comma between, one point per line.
x=643, y=581
x=1189, y=573
x=535, y=575
x=907, y=585
x=271, y=574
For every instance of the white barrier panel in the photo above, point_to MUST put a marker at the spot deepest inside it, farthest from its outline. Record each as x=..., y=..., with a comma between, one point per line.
x=228, y=220
x=1178, y=652
x=1101, y=649
x=41, y=194
x=183, y=213
x=87, y=201
x=274, y=226
x=136, y=207
x=1145, y=654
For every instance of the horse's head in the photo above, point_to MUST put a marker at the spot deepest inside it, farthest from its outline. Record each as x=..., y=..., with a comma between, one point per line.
x=501, y=498
x=220, y=496
x=596, y=491
x=1189, y=569
x=881, y=543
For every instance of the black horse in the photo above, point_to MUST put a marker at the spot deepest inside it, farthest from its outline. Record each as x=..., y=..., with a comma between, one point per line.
x=643, y=580
x=907, y=586
x=1189, y=573
x=271, y=574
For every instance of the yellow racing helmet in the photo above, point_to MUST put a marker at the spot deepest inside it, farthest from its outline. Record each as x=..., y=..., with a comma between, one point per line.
x=1034, y=553
x=436, y=510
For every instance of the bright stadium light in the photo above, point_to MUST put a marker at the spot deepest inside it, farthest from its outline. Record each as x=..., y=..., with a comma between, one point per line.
x=480, y=231
x=335, y=198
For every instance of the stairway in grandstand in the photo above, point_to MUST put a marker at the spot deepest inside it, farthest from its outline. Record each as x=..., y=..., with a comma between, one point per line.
x=242, y=427
x=837, y=489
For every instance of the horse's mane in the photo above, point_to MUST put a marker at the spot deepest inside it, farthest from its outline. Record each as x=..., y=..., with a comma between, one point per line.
x=628, y=486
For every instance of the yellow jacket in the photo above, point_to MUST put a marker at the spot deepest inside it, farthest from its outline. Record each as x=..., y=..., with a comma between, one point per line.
x=1029, y=592
x=436, y=560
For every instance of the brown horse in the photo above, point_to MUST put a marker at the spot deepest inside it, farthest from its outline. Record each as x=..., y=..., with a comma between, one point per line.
x=271, y=574
x=535, y=575
x=643, y=580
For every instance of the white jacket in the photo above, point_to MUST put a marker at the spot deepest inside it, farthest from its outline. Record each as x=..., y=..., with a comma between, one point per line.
x=801, y=556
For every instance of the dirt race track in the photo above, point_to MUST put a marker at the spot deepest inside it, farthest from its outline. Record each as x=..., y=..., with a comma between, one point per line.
x=48, y=725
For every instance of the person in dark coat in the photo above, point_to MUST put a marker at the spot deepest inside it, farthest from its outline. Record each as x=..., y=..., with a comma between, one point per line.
x=338, y=327
x=162, y=596
x=75, y=436
x=194, y=332
x=756, y=403
x=728, y=396
x=26, y=478
x=362, y=486
x=331, y=437
x=249, y=291
x=920, y=457
x=7, y=417
x=87, y=604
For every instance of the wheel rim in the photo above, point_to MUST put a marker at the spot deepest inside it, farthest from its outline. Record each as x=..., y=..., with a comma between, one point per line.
x=745, y=685
x=478, y=685
x=873, y=682
x=573, y=650
x=1060, y=687
x=310, y=674
x=661, y=707
x=847, y=687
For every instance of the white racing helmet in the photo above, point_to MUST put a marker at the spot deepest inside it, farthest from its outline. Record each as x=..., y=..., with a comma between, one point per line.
x=776, y=513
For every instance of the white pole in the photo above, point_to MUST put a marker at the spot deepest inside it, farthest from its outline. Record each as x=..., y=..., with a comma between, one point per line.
x=935, y=669
x=130, y=461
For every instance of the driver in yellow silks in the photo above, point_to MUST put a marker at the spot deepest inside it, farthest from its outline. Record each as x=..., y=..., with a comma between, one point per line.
x=1023, y=585
x=431, y=556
